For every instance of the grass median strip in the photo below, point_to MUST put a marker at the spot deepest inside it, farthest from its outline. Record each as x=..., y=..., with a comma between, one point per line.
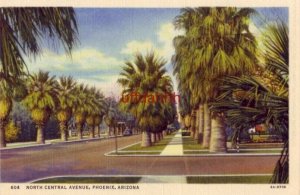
x=275, y=151
x=191, y=146
x=134, y=153
x=189, y=143
x=246, y=179
x=137, y=149
x=229, y=179
x=88, y=180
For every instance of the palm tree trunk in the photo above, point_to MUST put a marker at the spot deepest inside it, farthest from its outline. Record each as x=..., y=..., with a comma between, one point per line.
x=109, y=131
x=40, y=137
x=157, y=136
x=92, y=132
x=197, y=124
x=193, y=125
x=207, y=126
x=192, y=132
x=97, y=130
x=164, y=132
x=146, y=140
x=63, y=131
x=2, y=134
x=153, y=138
x=79, y=130
x=201, y=123
x=218, y=135
x=115, y=131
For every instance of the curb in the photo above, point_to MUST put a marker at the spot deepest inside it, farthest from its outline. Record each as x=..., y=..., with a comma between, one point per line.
x=194, y=155
x=24, y=147
x=54, y=143
x=108, y=153
x=74, y=141
x=150, y=176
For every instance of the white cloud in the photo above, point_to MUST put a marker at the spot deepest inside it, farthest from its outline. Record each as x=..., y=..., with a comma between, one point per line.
x=164, y=46
x=166, y=35
x=134, y=46
x=85, y=59
x=87, y=65
x=109, y=87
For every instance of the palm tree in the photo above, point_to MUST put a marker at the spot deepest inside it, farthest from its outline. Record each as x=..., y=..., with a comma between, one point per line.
x=110, y=117
x=96, y=111
x=5, y=107
x=66, y=99
x=97, y=121
x=41, y=101
x=81, y=107
x=247, y=101
x=145, y=76
x=22, y=30
x=217, y=43
x=101, y=109
x=21, y=33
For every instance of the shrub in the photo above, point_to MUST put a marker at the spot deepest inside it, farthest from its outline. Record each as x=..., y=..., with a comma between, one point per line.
x=12, y=131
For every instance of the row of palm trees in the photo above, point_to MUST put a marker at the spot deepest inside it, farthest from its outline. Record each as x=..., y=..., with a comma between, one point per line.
x=217, y=43
x=146, y=75
x=217, y=67
x=63, y=98
x=22, y=32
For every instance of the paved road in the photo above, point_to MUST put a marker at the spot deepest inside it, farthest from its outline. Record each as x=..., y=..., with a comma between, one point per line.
x=87, y=158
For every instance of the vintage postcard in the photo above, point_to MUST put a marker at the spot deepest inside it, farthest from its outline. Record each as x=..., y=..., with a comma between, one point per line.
x=141, y=97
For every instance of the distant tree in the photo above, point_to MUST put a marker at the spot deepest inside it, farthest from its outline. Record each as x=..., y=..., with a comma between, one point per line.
x=22, y=118
x=41, y=100
x=12, y=131
x=145, y=75
x=66, y=101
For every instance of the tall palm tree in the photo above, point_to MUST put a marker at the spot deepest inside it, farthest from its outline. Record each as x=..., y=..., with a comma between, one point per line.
x=10, y=89
x=247, y=101
x=41, y=101
x=217, y=43
x=20, y=34
x=146, y=75
x=81, y=107
x=96, y=111
x=66, y=100
x=110, y=117
x=5, y=107
x=22, y=30
x=101, y=110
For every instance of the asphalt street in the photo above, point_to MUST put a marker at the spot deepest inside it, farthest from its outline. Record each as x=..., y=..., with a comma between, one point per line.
x=87, y=158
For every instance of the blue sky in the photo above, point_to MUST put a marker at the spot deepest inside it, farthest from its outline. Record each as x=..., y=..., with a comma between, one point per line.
x=109, y=36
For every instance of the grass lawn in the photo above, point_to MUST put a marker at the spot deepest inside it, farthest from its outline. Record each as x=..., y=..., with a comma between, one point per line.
x=91, y=180
x=158, y=147
x=229, y=179
x=190, y=144
x=261, y=145
x=190, y=180
x=255, y=151
x=235, y=152
x=135, y=153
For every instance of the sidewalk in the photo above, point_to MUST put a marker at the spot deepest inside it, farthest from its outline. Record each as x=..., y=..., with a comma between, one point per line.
x=163, y=179
x=174, y=147
x=53, y=141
